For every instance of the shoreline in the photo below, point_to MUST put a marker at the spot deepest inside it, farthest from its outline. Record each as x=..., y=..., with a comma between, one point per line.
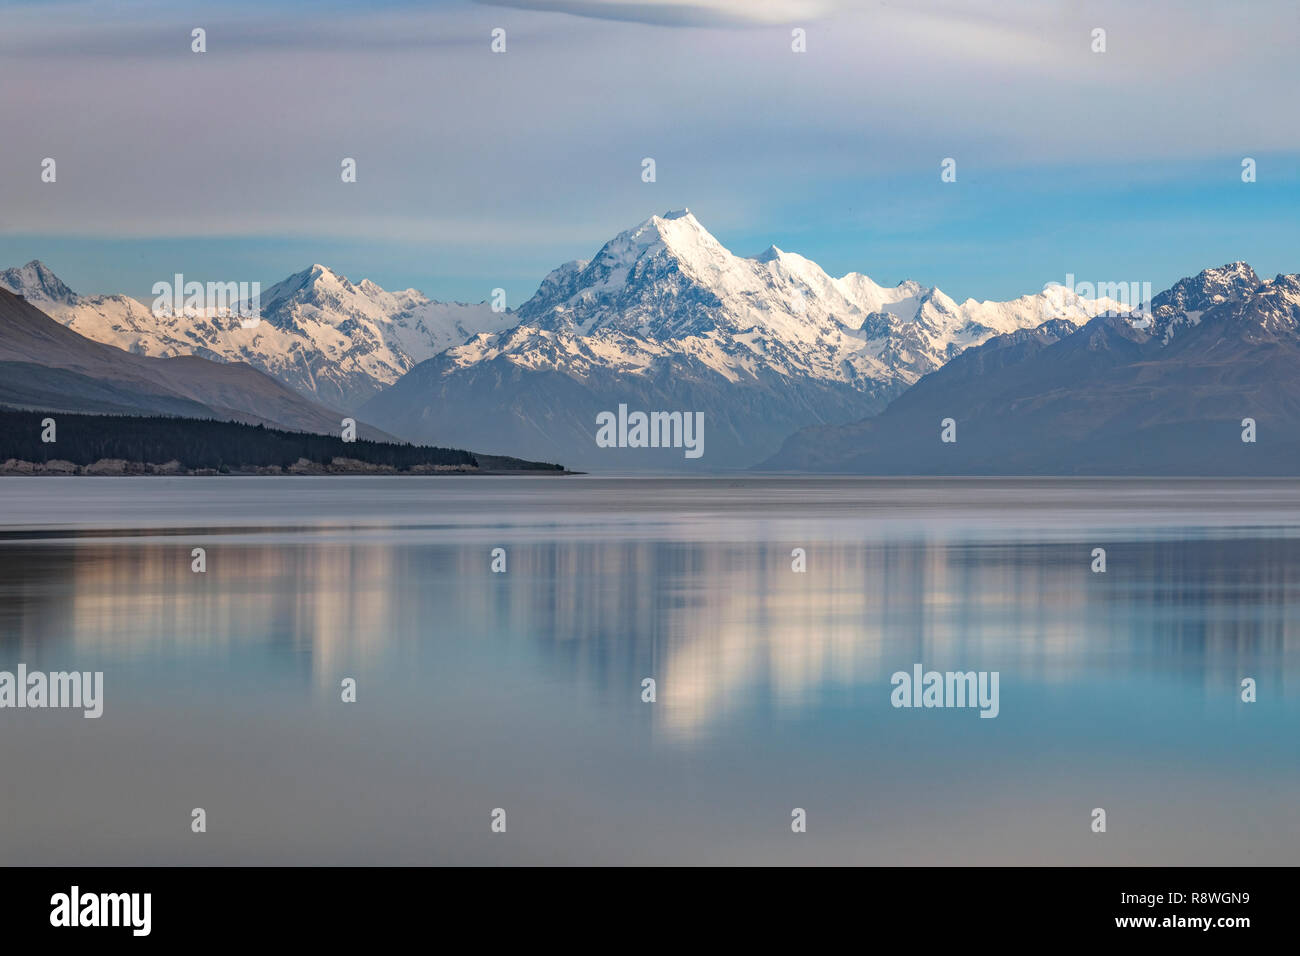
x=121, y=468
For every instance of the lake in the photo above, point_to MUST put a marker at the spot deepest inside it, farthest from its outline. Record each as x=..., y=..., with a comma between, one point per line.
x=522, y=690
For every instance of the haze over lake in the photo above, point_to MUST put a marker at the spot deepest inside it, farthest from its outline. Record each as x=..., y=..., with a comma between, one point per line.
x=523, y=690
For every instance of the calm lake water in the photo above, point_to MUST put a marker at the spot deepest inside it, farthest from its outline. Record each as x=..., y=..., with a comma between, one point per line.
x=523, y=690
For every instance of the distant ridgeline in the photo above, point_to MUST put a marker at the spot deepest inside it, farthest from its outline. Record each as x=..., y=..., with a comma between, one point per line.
x=218, y=446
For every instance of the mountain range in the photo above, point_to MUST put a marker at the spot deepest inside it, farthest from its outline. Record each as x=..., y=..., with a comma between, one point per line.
x=662, y=318
x=46, y=366
x=666, y=318
x=790, y=368
x=1109, y=398
x=334, y=342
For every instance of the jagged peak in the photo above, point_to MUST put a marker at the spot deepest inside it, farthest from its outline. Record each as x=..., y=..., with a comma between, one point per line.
x=562, y=273
x=313, y=277
x=318, y=272
x=674, y=222
x=939, y=298
x=36, y=279
x=1208, y=288
x=678, y=232
x=1238, y=268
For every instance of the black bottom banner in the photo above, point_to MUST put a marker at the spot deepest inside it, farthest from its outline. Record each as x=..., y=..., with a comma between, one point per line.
x=655, y=906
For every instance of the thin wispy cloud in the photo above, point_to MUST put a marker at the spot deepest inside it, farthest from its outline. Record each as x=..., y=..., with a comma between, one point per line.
x=682, y=13
x=474, y=156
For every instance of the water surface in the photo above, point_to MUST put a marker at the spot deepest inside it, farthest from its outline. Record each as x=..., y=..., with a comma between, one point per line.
x=522, y=690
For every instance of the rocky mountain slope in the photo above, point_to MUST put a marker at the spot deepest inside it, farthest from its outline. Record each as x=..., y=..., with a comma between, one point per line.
x=47, y=366
x=1112, y=397
x=336, y=342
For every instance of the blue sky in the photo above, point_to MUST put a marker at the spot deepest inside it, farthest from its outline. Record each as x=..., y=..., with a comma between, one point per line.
x=478, y=170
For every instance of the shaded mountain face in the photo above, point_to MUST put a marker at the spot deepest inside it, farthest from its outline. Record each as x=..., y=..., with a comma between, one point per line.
x=1106, y=398
x=46, y=366
x=335, y=342
x=36, y=282
x=664, y=318
x=1184, y=303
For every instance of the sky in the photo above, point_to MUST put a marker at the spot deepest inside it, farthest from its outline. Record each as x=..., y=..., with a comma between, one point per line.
x=478, y=170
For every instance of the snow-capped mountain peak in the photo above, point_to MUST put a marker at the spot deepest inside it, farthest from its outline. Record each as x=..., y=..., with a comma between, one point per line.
x=768, y=343
x=331, y=339
x=675, y=237
x=664, y=313
x=668, y=280
x=1209, y=287
x=318, y=285
x=36, y=282
x=1182, y=304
